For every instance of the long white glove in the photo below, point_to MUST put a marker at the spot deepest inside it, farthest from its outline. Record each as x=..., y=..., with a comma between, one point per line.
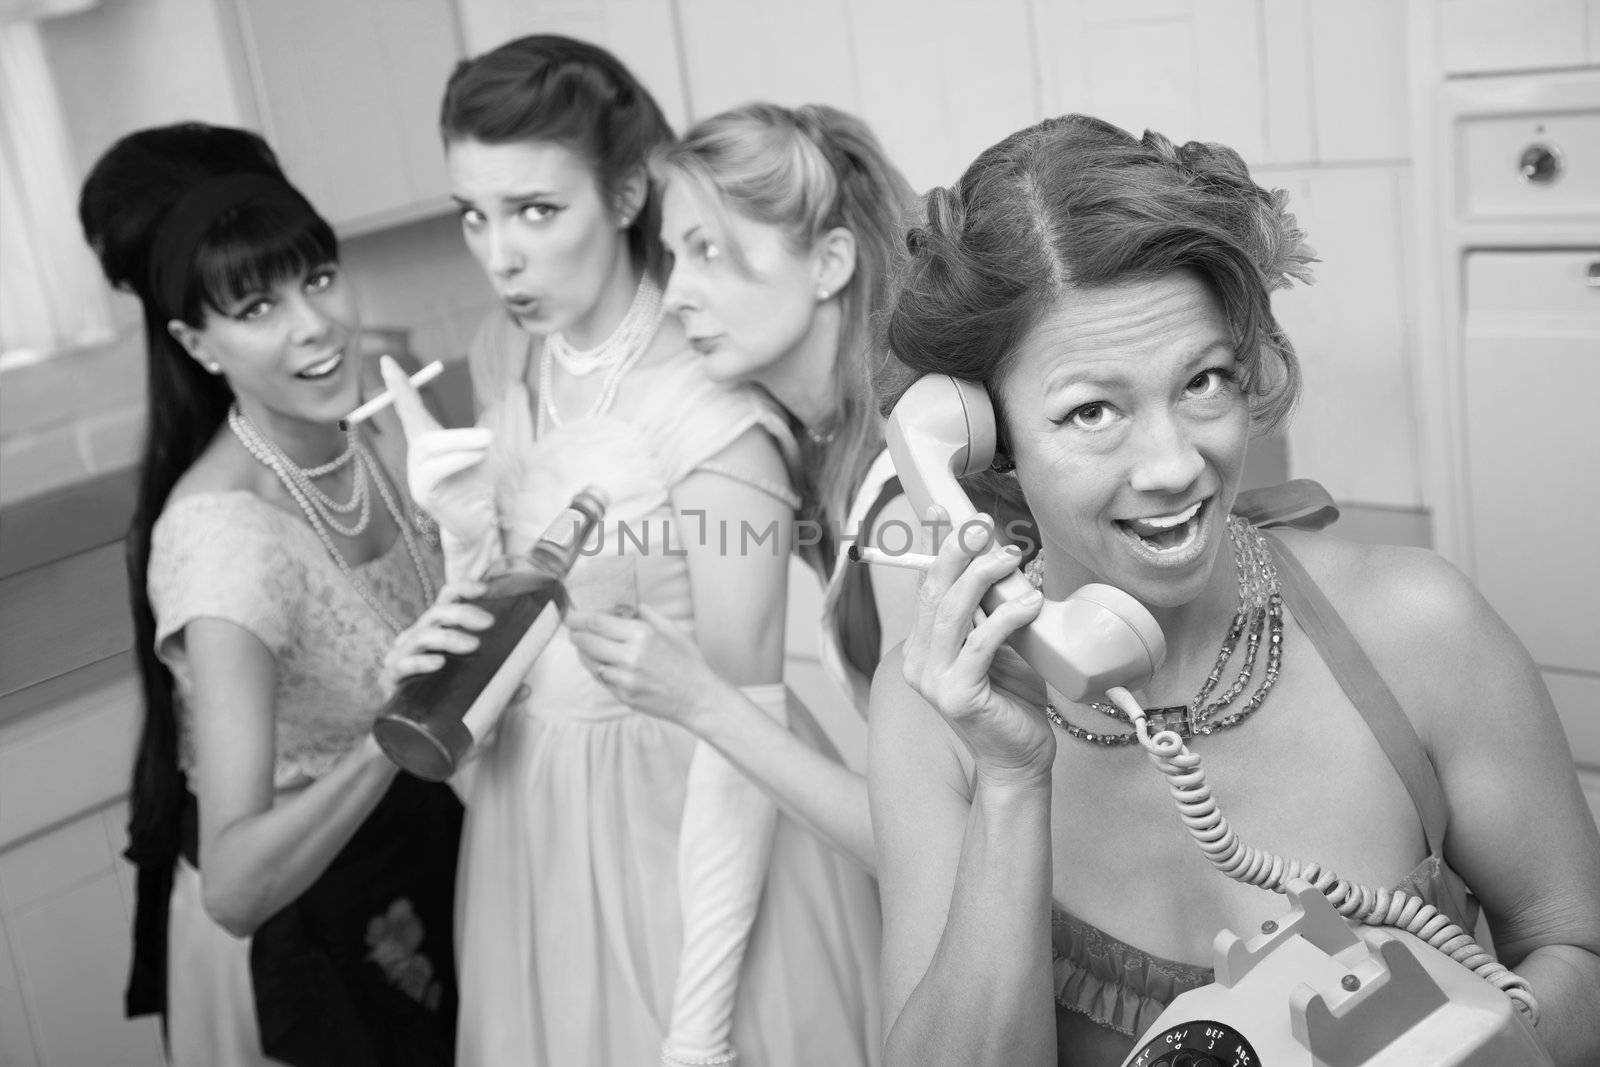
x=723, y=849
x=448, y=478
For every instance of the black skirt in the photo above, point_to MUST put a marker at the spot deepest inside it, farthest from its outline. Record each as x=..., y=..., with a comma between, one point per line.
x=360, y=970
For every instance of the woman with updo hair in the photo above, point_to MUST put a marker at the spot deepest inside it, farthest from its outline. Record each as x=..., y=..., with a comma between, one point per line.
x=783, y=224
x=294, y=894
x=1361, y=706
x=627, y=894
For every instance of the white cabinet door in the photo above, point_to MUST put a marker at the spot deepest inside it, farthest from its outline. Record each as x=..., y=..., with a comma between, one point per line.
x=349, y=97
x=1531, y=352
x=1478, y=36
x=65, y=922
x=66, y=901
x=1532, y=373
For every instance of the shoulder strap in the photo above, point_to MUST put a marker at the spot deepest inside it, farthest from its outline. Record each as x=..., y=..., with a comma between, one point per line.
x=1301, y=503
x=1367, y=690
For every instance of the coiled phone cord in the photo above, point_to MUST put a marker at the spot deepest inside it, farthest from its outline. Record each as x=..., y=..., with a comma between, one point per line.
x=1253, y=866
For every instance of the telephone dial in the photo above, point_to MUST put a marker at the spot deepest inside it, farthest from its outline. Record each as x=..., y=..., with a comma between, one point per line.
x=1349, y=977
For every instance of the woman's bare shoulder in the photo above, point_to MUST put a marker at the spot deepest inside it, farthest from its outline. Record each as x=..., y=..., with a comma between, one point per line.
x=1386, y=589
x=1429, y=632
x=223, y=467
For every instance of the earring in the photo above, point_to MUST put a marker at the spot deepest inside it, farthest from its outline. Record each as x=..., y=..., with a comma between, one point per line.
x=823, y=294
x=624, y=221
x=214, y=368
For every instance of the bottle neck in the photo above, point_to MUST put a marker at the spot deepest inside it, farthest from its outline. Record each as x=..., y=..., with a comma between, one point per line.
x=559, y=547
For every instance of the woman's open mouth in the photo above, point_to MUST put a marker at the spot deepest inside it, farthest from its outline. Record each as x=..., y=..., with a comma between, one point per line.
x=1172, y=538
x=322, y=369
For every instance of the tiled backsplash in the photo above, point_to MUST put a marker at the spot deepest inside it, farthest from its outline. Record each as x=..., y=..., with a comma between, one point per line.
x=70, y=416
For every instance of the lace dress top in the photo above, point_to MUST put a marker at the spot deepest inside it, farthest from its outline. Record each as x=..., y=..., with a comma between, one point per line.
x=233, y=556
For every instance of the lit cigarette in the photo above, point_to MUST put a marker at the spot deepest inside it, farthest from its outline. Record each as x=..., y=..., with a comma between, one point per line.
x=385, y=398
x=911, y=561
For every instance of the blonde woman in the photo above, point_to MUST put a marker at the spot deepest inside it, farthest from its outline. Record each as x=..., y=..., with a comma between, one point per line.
x=782, y=223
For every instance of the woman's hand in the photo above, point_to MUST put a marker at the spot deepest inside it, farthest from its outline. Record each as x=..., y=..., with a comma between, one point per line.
x=444, y=468
x=447, y=626
x=951, y=646
x=646, y=662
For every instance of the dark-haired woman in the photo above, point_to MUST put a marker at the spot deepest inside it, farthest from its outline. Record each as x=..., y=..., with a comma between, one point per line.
x=615, y=871
x=295, y=895
x=1358, y=706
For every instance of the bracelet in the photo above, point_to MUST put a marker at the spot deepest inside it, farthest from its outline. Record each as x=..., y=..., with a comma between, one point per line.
x=670, y=1058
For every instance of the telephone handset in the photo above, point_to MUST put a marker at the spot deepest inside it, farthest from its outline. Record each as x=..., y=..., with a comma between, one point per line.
x=1370, y=1001
x=1098, y=638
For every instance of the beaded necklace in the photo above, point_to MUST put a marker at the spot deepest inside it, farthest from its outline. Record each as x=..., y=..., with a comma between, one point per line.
x=620, y=352
x=638, y=325
x=314, y=504
x=329, y=508
x=1260, y=611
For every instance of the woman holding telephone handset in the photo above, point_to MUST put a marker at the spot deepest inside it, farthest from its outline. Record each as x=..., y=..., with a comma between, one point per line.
x=1357, y=705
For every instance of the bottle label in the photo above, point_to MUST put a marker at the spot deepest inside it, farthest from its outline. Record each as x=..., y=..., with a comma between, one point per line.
x=558, y=547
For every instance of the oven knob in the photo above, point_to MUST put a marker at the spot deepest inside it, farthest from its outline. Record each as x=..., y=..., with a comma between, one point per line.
x=1540, y=164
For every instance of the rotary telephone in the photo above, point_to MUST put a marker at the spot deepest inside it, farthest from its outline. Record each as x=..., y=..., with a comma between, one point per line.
x=1350, y=977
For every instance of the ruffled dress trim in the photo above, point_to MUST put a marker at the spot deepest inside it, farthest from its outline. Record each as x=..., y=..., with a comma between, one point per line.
x=1110, y=981
x=1125, y=989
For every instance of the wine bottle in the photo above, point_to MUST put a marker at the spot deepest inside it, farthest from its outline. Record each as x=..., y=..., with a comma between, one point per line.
x=432, y=721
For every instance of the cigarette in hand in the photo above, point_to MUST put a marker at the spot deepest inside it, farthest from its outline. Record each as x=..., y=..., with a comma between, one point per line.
x=385, y=398
x=913, y=561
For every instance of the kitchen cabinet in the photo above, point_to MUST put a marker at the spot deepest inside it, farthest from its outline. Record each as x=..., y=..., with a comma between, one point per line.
x=1531, y=366
x=1508, y=398
x=66, y=895
x=1486, y=36
x=348, y=94
x=1531, y=370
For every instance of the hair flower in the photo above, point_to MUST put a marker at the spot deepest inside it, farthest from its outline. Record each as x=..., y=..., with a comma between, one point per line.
x=1285, y=258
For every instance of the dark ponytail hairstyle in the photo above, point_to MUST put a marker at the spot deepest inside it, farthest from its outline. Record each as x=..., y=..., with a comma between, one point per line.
x=546, y=87
x=127, y=202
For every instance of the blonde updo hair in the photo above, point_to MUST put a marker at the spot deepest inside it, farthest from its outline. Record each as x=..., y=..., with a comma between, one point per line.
x=806, y=171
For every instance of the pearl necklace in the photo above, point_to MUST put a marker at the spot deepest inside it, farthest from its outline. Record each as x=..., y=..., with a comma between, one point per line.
x=636, y=327
x=1260, y=610
x=339, y=461
x=360, y=497
x=297, y=481
x=327, y=508
x=622, y=350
